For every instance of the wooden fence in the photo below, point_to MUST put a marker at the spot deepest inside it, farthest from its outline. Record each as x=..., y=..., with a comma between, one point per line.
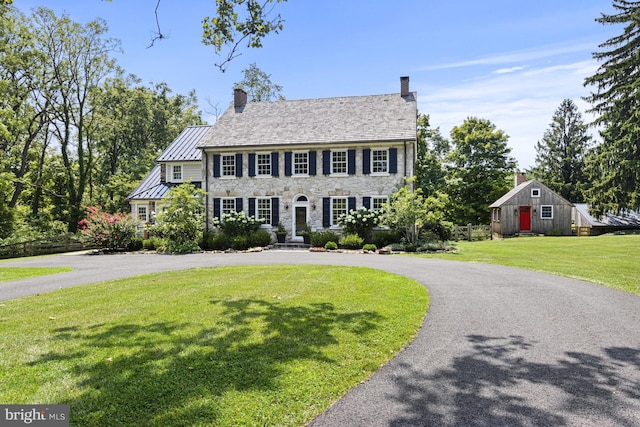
x=471, y=232
x=67, y=243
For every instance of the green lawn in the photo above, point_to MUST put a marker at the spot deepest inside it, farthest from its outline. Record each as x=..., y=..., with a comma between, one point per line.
x=233, y=346
x=17, y=273
x=609, y=260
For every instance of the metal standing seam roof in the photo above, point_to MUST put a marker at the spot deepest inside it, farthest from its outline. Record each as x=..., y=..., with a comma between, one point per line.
x=373, y=118
x=184, y=147
x=150, y=188
x=629, y=219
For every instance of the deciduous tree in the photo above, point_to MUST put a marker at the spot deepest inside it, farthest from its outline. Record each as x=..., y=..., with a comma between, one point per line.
x=259, y=86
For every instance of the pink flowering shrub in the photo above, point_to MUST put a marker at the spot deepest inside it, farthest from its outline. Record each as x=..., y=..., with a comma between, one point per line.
x=108, y=231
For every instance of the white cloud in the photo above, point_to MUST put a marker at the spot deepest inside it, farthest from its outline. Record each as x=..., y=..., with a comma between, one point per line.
x=509, y=70
x=521, y=104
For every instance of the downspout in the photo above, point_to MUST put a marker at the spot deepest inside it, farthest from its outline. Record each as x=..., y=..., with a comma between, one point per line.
x=206, y=189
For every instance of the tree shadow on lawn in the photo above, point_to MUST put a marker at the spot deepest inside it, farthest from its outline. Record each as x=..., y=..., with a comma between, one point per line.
x=169, y=373
x=488, y=385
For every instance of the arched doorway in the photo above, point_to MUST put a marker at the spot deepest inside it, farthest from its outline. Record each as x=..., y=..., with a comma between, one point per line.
x=300, y=215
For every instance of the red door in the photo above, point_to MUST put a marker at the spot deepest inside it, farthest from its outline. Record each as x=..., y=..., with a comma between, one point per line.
x=525, y=218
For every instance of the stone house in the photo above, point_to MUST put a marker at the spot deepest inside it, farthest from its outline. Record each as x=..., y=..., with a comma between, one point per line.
x=181, y=161
x=306, y=162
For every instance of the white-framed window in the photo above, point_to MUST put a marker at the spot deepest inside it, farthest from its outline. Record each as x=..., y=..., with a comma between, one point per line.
x=377, y=202
x=176, y=173
x=301, y=163
x=535, y=192
x=143, y=213
x=495, y=214
x=339, y=162
x=338, y=208
x=379, y=161
x=228, y=205
x=228, y=165
x=263, y=164
x=263, y=210
x=546, y=212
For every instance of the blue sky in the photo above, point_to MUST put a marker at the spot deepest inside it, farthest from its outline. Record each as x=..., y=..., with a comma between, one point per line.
x=509, y=61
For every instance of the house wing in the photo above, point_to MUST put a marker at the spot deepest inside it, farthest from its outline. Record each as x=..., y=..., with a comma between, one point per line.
x=383, y=118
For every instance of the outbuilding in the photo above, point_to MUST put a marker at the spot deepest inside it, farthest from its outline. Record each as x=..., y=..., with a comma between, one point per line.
x=530, y=208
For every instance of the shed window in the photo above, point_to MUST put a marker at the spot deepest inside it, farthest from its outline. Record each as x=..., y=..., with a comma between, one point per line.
x=535, y=192
x=495, y=214
x=546, y=212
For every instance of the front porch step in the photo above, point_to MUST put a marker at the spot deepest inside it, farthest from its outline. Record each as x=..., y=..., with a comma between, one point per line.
x=291, y=245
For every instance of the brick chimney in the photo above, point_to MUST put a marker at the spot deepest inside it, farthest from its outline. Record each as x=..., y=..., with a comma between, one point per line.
x=404, y=86
x=520, y=177
x=239, y=99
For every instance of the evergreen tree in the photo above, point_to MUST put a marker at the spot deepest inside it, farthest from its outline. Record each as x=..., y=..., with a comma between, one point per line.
x=561, y=152
x=479, y=170
x=615, y=164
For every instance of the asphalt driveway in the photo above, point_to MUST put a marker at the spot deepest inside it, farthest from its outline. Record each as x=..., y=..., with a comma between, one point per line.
x=499, y=347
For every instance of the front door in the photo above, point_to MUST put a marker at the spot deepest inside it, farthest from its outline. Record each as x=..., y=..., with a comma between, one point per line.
x=301, y=219
x=525, y=218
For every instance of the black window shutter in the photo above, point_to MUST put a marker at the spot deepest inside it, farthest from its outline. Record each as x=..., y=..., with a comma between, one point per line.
x=216, y=165
x=287, y=163
x=351, y=156
x=275, y=211
x=326, y=162
x=366, y=161
x=217, y=208
x=274, y=164
x=252, y=206
x=238, y=204
x=351, y=203
x=312, y=163
x=366, y=202
x=393, y=160
x=252, y=164
x=326, y=212
x=239, y=165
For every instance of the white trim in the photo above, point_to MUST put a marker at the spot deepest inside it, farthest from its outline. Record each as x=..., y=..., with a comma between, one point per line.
x=257, y=169
x=535, y=192
x=371, y=162
x=173, y=172
x=542, y=208
x=293, y=163
x=331, y=209
x=346, y=163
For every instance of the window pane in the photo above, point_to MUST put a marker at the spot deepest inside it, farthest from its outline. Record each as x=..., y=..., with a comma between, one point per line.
x=142, y=213
x=228, y=205
x=338, y=162
x=379, y=161
x=546, y=212
x=300, y=163
x=228, y=165
x=263, y=164
x=264, y=210
x=377, y=202
x=177, y=172
x=338, y=208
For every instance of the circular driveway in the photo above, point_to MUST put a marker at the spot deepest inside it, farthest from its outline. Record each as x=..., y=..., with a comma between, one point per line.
x=499, y=346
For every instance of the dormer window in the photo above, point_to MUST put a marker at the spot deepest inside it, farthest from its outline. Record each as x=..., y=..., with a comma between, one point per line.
x=535, y=192
x=177, y=173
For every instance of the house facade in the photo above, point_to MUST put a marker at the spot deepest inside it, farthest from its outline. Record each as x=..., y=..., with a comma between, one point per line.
x=530, y=208
x=181, y=161
x=306, y=162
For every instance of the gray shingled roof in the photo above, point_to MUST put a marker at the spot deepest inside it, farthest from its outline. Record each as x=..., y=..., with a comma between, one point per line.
x=183, y=148
x=382, y=118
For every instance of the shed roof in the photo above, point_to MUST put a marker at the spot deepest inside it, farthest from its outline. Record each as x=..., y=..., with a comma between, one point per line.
x=383, y=118
x=525, y=185
x=628, y=219
x=184, y=147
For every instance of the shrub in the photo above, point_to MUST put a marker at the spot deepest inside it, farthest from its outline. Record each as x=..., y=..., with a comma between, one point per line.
x=150, y=244
x=370, y=247
x=331, y=246
x=384, y=238
x=259, y=238
x=321, y=238
x=239, y=243
x=351, y=241
x=410, y=247
x=360, y=221
x=135, y=244
x=238, y=224
x=108, y=231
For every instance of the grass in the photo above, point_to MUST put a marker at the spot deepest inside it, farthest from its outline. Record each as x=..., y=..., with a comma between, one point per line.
x=232, y=346
x=609, y=260
x=17, y=273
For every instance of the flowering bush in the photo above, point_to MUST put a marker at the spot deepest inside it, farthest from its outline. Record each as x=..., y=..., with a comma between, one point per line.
x=236, y=224
x=360, y=221
x=108, y=231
